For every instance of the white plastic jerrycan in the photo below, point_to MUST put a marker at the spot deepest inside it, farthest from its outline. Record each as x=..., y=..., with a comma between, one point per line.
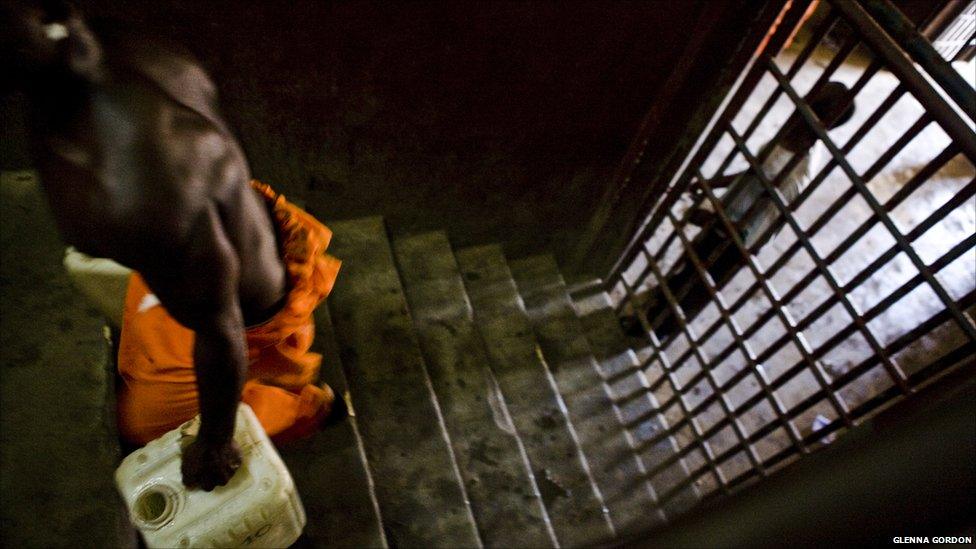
x=258, y=507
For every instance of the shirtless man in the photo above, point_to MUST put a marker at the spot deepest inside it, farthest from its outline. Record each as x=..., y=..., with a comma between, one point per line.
x=139, y=167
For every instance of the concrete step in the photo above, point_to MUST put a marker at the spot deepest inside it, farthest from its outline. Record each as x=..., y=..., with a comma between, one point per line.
x=500, y=484
x=59, y=446
x=418, y=487
x=330, y=469
x=572, y=500
x=636, y=405
x=614, y=464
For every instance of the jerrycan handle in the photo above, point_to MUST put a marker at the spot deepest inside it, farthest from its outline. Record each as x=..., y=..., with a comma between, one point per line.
x=188, y=432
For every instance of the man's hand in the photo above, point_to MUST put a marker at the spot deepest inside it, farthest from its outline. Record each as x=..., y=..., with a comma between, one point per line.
x=208, y=465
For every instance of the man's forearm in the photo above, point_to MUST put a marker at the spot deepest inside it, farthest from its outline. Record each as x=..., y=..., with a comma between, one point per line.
x=220, y=361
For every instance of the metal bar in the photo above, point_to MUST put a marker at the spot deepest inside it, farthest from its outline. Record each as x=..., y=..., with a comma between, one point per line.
x=868, y=124
x=913, y=184
x=897, y=63
x=700, y=263
x=890, y=299
x=835, y=62
x=865, y=127
x=886, y=16
x=798, y=63
x=846, y=48
x=798, y=339
x=872, y=202
x=817, y=225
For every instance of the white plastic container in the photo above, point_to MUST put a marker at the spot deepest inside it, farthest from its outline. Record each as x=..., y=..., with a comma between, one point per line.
x=259, y=507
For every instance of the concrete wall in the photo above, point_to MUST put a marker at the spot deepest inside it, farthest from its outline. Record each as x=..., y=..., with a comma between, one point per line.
x=500, y=121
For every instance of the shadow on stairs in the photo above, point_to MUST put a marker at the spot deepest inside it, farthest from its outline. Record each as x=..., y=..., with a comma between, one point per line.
x=490, y=409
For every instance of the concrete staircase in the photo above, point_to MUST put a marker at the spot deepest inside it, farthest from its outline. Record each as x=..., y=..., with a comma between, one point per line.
x=491, y=410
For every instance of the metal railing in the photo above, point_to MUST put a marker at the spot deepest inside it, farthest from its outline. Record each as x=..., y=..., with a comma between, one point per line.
x=714, y=310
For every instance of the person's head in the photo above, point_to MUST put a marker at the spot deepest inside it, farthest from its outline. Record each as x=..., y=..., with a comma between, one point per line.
x=833, y=106
x=44, y=43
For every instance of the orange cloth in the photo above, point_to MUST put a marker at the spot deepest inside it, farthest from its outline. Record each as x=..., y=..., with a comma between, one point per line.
x=156, y=352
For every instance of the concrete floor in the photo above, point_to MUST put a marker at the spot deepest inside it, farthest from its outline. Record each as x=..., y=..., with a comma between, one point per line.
x=958, y=278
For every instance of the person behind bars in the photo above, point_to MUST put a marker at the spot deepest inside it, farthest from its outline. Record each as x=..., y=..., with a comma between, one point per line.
x=138, y=166
x=749, y=207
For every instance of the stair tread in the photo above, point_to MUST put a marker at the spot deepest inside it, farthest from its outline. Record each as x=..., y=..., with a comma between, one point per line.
x=329, y=469
x=627, y=384
x=421, y=499
x=613, y=460
x=503, y=496
x=575, y=510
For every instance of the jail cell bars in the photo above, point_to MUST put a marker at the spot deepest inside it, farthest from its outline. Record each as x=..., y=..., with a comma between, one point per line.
x=860, y=291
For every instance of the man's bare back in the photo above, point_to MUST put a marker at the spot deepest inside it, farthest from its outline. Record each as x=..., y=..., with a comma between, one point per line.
x=139, y=167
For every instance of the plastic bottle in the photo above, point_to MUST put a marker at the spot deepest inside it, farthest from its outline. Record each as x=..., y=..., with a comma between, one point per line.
x=258, y=507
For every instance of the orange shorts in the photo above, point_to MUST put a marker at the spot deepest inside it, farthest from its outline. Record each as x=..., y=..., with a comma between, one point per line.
x=159, y=390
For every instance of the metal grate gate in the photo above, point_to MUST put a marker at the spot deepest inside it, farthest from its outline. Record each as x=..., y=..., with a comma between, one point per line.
x=856, y=288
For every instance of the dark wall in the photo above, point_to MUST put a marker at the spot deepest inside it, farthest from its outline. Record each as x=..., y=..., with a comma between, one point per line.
x=500, y=121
